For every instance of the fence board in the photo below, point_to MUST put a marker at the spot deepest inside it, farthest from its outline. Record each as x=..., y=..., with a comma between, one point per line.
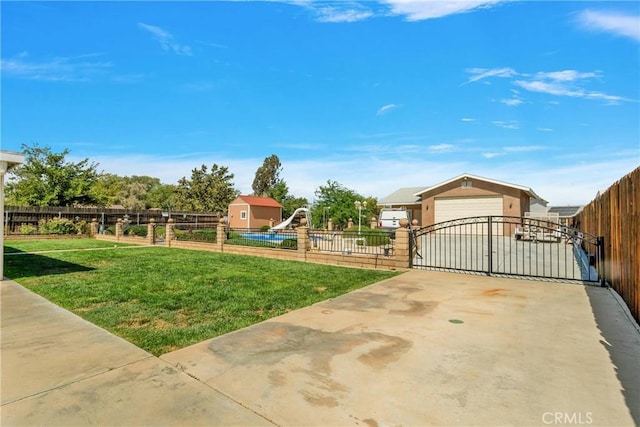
x=615, y=214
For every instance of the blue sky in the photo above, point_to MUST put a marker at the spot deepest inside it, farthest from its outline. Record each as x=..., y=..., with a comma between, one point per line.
x=376, y=95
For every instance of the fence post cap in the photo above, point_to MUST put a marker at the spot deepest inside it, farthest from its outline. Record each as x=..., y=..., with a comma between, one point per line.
x=404, y=223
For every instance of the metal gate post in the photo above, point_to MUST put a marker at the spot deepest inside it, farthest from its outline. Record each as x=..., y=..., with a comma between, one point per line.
x=490, y=246
x=601, y=261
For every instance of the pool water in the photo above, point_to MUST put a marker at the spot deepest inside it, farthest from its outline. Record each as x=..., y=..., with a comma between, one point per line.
x=268, y=237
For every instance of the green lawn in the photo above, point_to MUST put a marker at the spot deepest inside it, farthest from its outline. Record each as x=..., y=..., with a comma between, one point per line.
x=163, y=299
x=11, y=246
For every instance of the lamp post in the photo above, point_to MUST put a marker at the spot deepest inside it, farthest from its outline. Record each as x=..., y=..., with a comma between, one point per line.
x=325, y=216
x=359, y=206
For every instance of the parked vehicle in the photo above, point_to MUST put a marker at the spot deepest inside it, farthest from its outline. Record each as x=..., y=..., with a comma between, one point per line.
x=390, y=219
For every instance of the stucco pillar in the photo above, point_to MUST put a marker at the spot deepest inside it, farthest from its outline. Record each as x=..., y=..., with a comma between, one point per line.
x=330, y=225
x=303, y=239
x=221, y=235
x=350, y=223
x=119, y=229
x=373, y=223
x=401, y=247
x=93, y=227
x=151, y=232
x=169, y=234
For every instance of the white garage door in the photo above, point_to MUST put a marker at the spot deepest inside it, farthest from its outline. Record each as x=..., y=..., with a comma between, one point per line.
x=451, y=208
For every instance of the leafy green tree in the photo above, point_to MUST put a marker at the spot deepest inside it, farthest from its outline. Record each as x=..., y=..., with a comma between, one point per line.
x=48, y=179
x=339, y=203
x=130, y=192
x=161, y=196
x=290, y=203
x=206, y=191
x=267, y=176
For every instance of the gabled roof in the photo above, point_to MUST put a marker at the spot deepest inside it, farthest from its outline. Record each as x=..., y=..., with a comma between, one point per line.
x=565, y=211
x=260, y=201
x=527, y=190
x=402, y=196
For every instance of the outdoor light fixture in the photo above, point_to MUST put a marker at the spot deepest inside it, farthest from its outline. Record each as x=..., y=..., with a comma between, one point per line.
x=359, y=206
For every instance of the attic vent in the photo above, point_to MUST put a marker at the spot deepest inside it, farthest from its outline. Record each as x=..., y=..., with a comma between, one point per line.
x=466, y=184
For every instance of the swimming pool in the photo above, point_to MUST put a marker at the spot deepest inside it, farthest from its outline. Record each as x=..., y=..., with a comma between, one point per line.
x=272, y=237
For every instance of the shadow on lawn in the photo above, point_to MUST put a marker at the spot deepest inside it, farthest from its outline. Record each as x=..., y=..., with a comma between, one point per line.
x=21, y=264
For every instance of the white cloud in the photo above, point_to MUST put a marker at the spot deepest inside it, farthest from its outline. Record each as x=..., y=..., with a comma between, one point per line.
x=467, y=119
x=478, y=74
x=566, y=75
x=441, y=148
x=166, y=39
x=416, y=10
x=611, y=22
x=510, y=124
x=492, y=155
x=387, y=108
x=545, y=129
x=334, y=14
x=558, y=83
x=511, y=102
x=523, y=148
x=58, y=69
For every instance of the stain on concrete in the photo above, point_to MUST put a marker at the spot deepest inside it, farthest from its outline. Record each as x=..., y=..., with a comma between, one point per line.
x=370, y=422
x=277, y=378
x=460, y=397
x=397, y=302
x=416, y=308
x=319, y=400
x=271, y=342
x=494, y=292
x=391, y=350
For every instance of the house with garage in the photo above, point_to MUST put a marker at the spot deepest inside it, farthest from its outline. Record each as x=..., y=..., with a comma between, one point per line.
x=469, y=195
x=466, y=196
x=254, y=212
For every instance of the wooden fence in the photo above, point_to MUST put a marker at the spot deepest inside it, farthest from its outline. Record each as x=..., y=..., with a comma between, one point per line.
x=16, y=217
x=615, y=214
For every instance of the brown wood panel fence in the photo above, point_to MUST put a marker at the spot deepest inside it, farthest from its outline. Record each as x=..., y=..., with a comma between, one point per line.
x=16, y=216
x=615, y=214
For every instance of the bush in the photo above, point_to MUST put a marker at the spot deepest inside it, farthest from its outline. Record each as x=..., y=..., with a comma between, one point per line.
x=59, y=226
x=204, y=235
x=265, y=228
x=371, y=237
x=289, y=244
x=136, y=230
x=28, y=229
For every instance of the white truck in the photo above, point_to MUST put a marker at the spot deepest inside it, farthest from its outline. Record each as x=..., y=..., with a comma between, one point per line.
x=390, y=219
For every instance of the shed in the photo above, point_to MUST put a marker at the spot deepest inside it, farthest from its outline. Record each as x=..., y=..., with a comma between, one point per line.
x=254, y=212
x=469, y=195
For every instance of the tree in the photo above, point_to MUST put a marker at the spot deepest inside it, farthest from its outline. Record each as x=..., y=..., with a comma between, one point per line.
x=338, y=203
x=267, y=176
x=47, y=179
x=130, y=192
x=161, y=196
x=206, y=191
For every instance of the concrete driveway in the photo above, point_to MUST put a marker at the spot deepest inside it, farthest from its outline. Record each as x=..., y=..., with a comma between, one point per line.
x=423, y=348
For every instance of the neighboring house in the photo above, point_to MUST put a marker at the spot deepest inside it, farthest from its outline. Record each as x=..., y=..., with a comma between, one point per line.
x=404, y=198
x=566, y=213
x=254, y=212
x=468, y=195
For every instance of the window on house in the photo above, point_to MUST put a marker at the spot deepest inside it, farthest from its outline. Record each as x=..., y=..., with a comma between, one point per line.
x=243, y=214
x=466, y=184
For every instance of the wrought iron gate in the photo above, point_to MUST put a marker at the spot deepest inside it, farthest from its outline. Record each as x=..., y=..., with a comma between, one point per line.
x=513, y=246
